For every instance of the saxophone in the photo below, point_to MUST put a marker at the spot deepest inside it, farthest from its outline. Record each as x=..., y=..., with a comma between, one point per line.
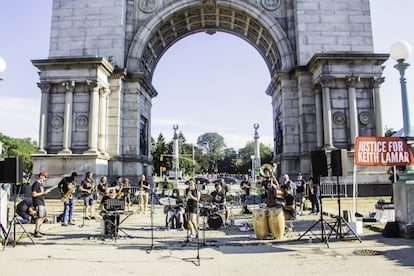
x=68, y=194
x=120, y=194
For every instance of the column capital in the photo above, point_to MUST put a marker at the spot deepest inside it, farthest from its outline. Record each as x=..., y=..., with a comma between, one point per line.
x=69, y=85
x=377, y=81
x=351, y=81
x=104, y=91
x=326, y=81
x=44, y=86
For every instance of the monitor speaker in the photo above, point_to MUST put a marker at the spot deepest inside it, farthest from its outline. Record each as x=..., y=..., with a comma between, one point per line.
x=339, y=159
x=11, y=170
x=319, y=163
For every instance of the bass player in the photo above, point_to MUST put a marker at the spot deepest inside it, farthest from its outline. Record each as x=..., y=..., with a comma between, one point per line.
x=67, y=187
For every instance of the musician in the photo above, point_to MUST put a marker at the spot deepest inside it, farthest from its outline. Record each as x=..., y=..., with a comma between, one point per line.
x=269, y=186
x=102, y=187
x=219, y=199
x=126, y=187
x=38, y=198
x=117, y=183
x=175, y=213
x=192, y=197
x=67, y=187
x=300, y=190
x=87, y=188
x=109, y=194
x=245, y=186
x=144, y=188
x=25, y=210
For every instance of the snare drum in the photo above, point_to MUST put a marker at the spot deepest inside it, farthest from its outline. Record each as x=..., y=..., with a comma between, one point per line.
x=276, y=222
x=260, y=223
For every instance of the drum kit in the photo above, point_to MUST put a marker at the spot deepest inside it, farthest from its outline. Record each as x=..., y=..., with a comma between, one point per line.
x=211, y=211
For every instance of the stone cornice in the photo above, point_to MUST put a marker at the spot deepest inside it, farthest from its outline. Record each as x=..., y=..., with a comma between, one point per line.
x=77, y=61
x=346, y=58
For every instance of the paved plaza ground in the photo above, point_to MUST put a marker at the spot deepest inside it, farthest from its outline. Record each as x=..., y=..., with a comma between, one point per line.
x=145, y=249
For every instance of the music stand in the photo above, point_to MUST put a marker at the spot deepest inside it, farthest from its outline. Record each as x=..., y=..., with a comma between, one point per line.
x=340, y=221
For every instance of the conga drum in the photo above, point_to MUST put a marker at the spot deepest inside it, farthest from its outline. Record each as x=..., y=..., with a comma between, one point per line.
x=276, y=222
x=260, y=223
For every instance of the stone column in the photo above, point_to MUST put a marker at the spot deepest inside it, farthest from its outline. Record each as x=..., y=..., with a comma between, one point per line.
x=327, y=112
x=353, y=108
x=379, y=127
x=318, y=115
x=67, y=120
x=44, y=109
x=93, y=117
x=103, y=96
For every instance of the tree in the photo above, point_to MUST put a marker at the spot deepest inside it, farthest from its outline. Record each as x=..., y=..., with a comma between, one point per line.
x=16, y=147
x=213, y=145
x=159, y=148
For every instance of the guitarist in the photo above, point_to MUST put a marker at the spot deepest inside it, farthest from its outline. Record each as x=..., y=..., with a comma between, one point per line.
x=87, y=188
x=67, y=188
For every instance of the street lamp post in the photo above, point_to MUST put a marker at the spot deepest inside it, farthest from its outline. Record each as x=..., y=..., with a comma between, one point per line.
x=2, y=66
x=403, y=189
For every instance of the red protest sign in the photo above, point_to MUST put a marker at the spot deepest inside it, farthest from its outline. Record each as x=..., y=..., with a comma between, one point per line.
x=383, y=151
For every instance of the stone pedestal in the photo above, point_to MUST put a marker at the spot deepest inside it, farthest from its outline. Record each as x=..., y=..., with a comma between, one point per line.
x=404, y=204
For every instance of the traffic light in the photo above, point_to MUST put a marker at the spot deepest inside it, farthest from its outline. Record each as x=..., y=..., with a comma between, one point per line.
x=161, y=158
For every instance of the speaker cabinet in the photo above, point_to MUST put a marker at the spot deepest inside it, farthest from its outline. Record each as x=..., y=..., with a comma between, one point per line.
x=319, y=163
x=339, y=160
x=11, y=170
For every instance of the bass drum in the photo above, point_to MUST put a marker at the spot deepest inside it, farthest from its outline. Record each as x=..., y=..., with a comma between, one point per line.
x=260, y=223
x=215, y=221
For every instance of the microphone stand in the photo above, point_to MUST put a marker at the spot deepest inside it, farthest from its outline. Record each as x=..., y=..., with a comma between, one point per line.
x=196, y=260
x=149, y=250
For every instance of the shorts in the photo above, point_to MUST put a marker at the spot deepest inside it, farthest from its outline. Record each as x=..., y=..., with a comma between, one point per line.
x=88, y=200
x=41, y=211
x=299, y=197
x=191, y=209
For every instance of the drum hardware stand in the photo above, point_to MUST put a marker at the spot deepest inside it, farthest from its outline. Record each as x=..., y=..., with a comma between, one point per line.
x=149, y=250
x=340, y=221
x=323, y=223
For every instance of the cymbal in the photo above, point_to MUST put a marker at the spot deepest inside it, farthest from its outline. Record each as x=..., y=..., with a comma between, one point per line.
x=206, y=197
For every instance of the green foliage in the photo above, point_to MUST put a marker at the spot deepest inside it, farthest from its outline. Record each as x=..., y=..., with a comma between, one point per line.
x=389, y=132
x=210, y=155
x=17, y=147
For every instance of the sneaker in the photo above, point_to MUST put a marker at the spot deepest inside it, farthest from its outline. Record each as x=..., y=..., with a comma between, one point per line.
x=37, y=235
x=64, y=224
x=92, y=217
x=71, y=223
x=41, y=233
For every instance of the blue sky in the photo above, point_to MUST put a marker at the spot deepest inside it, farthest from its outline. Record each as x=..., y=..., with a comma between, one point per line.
x=217, y=84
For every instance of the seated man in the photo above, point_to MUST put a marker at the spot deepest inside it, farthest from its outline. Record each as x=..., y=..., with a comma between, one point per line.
x=25, y=210
x=219, y=199
x=175, y=213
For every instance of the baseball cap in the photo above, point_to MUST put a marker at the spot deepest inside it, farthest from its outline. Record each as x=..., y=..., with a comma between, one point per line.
x=43, y=173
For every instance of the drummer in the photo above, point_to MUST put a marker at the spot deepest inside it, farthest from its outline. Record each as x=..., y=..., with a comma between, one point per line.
x=219, y=199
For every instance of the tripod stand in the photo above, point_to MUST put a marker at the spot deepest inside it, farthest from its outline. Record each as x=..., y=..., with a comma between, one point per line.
x=8, y=233
x=340, y=221
x=323, y=224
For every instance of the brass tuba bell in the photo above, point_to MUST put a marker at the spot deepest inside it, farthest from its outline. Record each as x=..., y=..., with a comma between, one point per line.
x=267, y=170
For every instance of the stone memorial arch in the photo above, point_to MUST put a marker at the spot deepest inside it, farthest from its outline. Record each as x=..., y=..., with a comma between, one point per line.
x=97, y=92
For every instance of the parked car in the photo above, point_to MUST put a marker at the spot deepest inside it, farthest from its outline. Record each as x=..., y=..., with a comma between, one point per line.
x=202, y=180
x=227, y=180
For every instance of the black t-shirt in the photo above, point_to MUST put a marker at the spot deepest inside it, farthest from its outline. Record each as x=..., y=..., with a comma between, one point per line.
x=190, y=201
x=247, y=183
x=218, y=197
x=300, y=186
x=23, y=205
x=38, y=188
